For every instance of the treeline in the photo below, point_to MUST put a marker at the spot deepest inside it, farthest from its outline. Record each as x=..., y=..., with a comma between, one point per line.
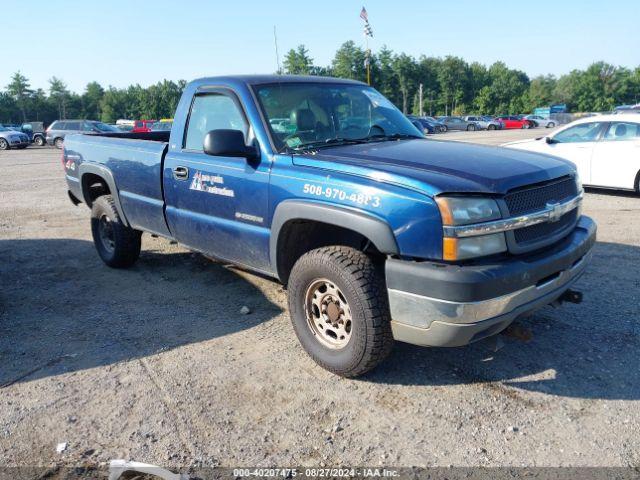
x=450, y=86
x=453, y=86
x=20, y=103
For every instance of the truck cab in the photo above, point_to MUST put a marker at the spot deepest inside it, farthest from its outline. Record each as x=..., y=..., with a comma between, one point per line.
x=323, y=184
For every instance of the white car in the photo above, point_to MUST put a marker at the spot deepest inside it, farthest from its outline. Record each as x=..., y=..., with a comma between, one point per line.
x=541, y=121
x=605, y=149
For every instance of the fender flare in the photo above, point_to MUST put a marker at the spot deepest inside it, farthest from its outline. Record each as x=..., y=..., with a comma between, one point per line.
x=375, y=229
x=104, y=173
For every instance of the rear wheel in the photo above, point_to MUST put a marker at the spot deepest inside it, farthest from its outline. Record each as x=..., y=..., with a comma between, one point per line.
x=471, y=128
x=117, y=244
x=39, y=141
x=526, y=125
x=491, y=127
x=58, y=142
x=551, y=125
x=4, y=145
x=339, y=310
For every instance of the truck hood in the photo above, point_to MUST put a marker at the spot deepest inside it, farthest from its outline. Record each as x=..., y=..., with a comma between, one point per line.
x=434, y=167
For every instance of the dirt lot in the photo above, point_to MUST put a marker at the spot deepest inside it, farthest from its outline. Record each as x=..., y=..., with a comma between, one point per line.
x=157, y=364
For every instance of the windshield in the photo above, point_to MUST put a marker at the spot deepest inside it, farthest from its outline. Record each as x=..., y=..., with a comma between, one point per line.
x=304, y=115
x=103, y=127
x=3, y=129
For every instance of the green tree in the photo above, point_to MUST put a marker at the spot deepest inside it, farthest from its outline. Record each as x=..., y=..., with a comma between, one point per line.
x=349, y=62
x=298, y=62
x=91, y=98
x=60, y=95
x=19, y=89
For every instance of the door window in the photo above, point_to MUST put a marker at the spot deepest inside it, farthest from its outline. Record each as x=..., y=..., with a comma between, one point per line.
x=72, y=126
x=620, y=131
x=585, y=132
x=212, y=112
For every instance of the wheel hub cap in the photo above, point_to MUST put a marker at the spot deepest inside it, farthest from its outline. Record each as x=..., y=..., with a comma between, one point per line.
x=328, y=314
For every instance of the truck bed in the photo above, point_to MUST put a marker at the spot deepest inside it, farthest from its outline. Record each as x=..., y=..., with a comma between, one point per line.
x=135, y=161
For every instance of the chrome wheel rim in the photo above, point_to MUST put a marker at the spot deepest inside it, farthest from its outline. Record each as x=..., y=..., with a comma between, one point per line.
x=328, y=314
x=107, y=237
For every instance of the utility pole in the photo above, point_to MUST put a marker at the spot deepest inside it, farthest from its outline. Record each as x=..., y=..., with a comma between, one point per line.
x=420, y=100
x=275, y=40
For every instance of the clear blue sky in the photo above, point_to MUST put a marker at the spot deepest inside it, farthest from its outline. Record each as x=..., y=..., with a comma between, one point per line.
x=120, y=42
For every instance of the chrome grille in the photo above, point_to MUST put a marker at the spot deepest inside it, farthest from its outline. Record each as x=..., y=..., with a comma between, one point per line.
x=535, y=233
x=535, y=198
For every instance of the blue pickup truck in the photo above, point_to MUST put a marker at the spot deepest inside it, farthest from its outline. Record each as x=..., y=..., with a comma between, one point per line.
x=377, y=232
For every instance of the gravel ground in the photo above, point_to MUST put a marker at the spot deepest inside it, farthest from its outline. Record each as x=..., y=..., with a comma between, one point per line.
x=156, y=363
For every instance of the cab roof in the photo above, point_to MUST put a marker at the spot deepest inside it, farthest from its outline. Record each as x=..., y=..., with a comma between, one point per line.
x=269, y=79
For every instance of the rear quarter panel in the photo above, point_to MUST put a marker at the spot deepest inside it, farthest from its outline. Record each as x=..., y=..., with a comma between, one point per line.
x=136, y=167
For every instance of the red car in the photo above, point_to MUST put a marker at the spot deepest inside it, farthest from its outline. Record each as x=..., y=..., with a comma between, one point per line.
x=512, y=121
x=142, y=126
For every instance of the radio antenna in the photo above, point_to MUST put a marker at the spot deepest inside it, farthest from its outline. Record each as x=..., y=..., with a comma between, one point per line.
x=275, y=40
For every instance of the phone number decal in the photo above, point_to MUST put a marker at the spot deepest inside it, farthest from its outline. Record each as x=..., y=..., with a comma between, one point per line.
x=343, y=195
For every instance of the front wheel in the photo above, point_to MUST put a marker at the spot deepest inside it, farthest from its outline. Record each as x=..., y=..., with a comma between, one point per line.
x=39, y=141
x=525, y=126
x=4, y=145
x=59, y=143
x=117, y=244
x=491, y=127
x=471, y=128
x=551, y=125
x=339, y=310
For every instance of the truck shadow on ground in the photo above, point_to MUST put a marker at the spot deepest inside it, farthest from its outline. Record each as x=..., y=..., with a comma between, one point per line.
x=62, y=309
x=583, y=351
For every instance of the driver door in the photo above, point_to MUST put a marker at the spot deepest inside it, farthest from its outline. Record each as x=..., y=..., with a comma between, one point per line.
x=217, y=204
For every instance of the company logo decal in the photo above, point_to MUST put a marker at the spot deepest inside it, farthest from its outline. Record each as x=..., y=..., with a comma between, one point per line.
x=213, y=184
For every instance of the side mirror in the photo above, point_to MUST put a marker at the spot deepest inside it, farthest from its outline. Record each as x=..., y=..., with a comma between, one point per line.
x=550, y=140
x=228, y=143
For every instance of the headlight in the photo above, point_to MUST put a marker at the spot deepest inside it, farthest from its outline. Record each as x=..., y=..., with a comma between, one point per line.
x=466, y=210
x=457, y=211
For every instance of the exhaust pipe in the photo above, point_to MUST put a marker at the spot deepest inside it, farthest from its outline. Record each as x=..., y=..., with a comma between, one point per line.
x=569, y=296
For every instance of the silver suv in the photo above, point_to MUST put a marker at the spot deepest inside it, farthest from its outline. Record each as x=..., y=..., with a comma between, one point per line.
x=58, y=129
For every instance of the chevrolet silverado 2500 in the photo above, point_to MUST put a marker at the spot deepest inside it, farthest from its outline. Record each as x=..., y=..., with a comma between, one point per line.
x=377, y=232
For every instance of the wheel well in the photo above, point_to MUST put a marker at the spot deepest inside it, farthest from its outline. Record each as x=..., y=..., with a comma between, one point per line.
x=298, y=237
x=93, y=186
x=637, y=182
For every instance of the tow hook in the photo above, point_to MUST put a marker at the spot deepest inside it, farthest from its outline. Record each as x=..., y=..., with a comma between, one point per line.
x=570, y=296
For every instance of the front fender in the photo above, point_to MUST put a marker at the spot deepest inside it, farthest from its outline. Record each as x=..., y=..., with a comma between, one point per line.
x=376, y=230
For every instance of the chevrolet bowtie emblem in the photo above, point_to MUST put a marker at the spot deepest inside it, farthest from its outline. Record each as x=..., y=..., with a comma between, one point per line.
x=555, y=211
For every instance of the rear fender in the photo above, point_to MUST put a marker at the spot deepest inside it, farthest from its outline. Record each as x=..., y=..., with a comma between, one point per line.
x=104, y=173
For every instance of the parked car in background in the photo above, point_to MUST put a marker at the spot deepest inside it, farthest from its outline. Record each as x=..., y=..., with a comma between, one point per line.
x=539, y=121
x=142, y=126
x=60, y=128
x=458, y=123
x=12, y=138
x=605, y=149
x=440, y=127
x=163, y=125
x=513, y=121
x=483, y=123
x=424, y=125
x=35, y=131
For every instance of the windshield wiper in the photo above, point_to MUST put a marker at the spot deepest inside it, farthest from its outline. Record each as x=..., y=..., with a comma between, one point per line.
x=394, y=136
x=329, y=142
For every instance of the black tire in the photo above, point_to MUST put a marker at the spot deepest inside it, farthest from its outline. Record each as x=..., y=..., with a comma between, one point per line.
x=444, y=129
x=526, y=126
x=471, y=128
x=491, y=127
x=360, y=283
x=38, y=141
x=58, y=142
x=551, y=125
x=4, y=145
x=117, y=244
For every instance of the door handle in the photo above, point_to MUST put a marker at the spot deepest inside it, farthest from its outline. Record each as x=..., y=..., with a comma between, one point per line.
x=181, y=173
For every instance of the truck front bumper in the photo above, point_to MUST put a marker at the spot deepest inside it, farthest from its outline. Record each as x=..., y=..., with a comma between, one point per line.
x=444, y=305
